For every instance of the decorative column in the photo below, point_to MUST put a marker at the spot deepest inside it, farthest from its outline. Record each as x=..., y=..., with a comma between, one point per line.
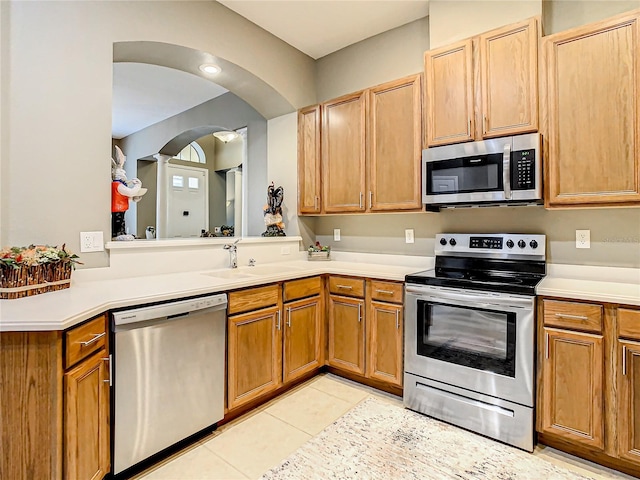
x=162, y=196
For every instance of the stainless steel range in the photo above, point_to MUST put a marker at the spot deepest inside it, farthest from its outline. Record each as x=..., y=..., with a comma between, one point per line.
x=470, y=334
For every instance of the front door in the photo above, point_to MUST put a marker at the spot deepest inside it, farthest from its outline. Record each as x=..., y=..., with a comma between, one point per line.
x=188, y=194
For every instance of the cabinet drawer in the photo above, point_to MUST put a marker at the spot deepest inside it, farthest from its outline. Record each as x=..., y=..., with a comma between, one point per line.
x=629, y=323
x=305, y=287
x=253, y=299
x=82, y=341
x=386, y=291
x=578, y=316
x=352, y=287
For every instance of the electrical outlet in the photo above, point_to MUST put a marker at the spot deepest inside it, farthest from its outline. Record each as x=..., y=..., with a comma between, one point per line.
x=285, y=250
x=583, y=238
x=408, y=235
x=91, y=242
x=336, y=234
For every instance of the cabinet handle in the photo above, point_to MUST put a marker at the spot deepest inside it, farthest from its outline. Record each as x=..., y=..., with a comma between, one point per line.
x=397, y=319
x=289, y=317
x=278, y=320
x=370, y=199
x=360, y=201
x=359, y=312
x=484, y=124
x=571, y=317
x=346, y=287
x=96, y=337
x=315, y=202
x=469, y=128
x=108, y=359
x=384, y=292
x=624, y=360
x=546, y=345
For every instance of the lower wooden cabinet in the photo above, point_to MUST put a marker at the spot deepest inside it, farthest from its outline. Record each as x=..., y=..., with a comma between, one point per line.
x=302, y=337
x=86, y=419
x=385, y=342
x=629, y=400
x=346, y=334
x=572, y=405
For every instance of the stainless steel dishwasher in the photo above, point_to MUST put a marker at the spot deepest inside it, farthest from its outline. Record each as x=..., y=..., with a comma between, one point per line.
x=168, y=373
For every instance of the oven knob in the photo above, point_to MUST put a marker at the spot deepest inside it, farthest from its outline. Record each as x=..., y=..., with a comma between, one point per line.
x=521, y=244
x=533, y=244
x=452, y=242
x=510, y=243
x=443, y=241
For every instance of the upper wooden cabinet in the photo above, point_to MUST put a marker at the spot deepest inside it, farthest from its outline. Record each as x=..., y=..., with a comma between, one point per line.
x=370, y=145
x=344, y=153
x=592, y=103
x=505, y=103
x=309, y=160
x=395, y=145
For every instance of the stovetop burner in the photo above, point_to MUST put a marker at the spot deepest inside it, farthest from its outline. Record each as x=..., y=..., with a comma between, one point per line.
x=486, y=262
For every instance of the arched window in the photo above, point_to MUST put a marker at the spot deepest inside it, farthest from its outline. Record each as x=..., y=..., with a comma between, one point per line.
x=192, y=153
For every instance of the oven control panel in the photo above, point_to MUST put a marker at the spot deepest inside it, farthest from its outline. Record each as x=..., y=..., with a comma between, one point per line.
x=505, y=245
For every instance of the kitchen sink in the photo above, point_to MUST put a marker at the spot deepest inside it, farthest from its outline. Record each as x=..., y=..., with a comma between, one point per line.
x=251, y=272
x=231, y=273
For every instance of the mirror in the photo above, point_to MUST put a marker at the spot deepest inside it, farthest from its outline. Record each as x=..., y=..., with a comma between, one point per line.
x=230, y=169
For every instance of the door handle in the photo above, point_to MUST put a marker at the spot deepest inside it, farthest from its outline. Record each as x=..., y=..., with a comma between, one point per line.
x=359, y=312
x=289, y=317
x=278, y=320
x=370, y=199
x=360, y=200
x=484, y=124
x=315, y=202
x=506, y=171
x=108, y=360
x=546, y=345
x=397, y=319
x=624, y=360
x=469, y=128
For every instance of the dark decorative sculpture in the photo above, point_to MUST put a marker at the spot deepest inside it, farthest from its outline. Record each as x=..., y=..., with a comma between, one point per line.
x=273, y=212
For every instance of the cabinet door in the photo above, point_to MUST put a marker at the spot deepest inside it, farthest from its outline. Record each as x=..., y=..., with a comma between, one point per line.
x=254, y=355
x=346, y=334
x=592, y=101
x=449, y=94
x=302, y=337
x=509, y=79
x=629, y=400
x=572, y=387
x=385, y=343
x=344, y=153
x=395, y=142
x=86, y=421
x=309, y=160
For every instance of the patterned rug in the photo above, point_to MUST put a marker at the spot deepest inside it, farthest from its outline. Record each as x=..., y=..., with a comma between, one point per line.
x=378, y=440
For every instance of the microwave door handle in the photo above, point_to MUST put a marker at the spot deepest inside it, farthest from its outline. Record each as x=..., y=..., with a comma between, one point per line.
x=506, y=171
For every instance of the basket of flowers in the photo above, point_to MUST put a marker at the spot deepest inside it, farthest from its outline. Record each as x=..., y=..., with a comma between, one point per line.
x=26, y=271
x=318, y=252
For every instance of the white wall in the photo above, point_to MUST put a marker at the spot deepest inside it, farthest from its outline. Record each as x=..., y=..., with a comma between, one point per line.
x=56, y=88
x=561, y=15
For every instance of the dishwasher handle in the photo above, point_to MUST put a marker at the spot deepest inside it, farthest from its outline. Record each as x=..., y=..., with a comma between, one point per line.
x=172, y=310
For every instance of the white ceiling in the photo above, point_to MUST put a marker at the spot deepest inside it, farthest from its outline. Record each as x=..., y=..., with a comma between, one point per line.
x=145, y=94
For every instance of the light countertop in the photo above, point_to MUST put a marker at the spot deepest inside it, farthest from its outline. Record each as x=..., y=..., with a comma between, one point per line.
x=84, y=299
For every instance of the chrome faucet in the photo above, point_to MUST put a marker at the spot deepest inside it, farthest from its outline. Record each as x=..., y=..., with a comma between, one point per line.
x=233, y=253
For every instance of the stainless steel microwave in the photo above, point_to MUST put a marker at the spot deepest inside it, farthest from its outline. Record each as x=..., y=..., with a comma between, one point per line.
x=505, y=170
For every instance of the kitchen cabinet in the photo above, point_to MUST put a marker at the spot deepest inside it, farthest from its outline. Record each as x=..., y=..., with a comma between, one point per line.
x=370, y=143
x=309, y=160
x=589, y=381
x=344, y=153
x=505, y=102
x=347, y=333
x=592, y=75
x=385, y=332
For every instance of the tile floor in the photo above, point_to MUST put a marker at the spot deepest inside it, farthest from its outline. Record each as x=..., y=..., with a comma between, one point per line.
x=261, y=439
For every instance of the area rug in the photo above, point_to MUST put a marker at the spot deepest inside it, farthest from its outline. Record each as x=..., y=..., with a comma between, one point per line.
x=378, y=440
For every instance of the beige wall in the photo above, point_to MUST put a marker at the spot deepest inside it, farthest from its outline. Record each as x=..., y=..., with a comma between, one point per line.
x=451, y=21
x=4, y=106
x=384, y=57
x=58, y=85
x=561, y=15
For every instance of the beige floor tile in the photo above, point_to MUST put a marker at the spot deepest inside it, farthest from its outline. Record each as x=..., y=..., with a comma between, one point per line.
x=578, y=465
x=257, y=444
x=309, y=409
x=340, y=388
x=199, y=463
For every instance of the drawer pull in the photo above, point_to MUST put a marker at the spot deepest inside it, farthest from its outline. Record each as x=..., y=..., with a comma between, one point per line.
x=96, y=337
x=624, y=360
x=346, y=287
x=384, y=292
x=571, y=317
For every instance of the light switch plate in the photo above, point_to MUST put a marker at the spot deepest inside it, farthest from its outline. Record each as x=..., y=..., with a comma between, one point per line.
x=336, y=234
x=91, y=242
x=583, y=238
x=408, y=236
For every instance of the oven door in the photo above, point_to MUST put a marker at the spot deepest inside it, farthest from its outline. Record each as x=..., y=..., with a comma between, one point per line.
x=474, y=340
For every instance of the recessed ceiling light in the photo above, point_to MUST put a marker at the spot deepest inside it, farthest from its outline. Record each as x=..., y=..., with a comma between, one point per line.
x=210, y=68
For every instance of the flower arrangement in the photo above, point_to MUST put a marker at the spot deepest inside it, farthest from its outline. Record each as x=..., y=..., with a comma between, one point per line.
x=319, y=252
x=35, y=269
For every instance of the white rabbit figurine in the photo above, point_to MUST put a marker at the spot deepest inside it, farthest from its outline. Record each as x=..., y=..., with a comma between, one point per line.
x=121, y=191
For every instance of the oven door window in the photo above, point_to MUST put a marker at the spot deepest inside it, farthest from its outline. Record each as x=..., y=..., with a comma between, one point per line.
x=473, y=337
x=480, y=173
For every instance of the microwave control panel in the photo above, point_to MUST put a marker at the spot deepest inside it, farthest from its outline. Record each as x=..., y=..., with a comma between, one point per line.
x=523, y=170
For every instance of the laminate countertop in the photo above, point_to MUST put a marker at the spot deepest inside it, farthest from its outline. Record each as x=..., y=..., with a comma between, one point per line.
x=85, y=299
